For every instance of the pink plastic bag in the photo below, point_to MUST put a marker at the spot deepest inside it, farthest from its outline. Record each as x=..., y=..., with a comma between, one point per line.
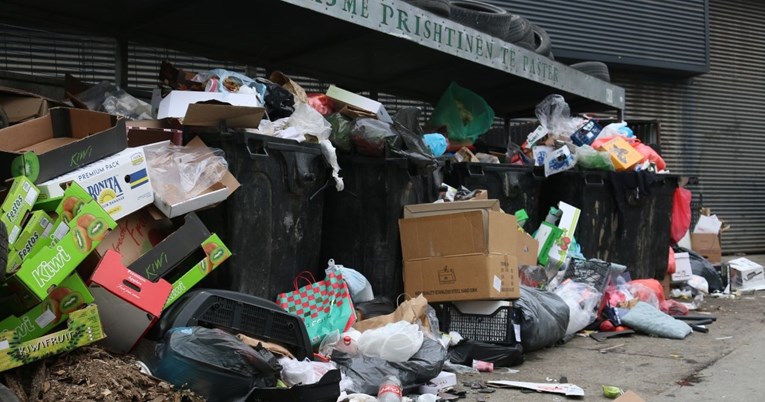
x=681, y=214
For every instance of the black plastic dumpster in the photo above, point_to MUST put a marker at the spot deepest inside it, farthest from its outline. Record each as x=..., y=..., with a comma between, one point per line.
x=516, y=187
x=625, y=218
x=361, y=222
x=273, y=222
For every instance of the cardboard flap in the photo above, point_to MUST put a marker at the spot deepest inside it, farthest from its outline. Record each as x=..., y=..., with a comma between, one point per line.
x=211, y=113
x=437, y=236
x=148, y=296
x=705, y=241
x=503, y=233
x=25, y=134
x=420, y=210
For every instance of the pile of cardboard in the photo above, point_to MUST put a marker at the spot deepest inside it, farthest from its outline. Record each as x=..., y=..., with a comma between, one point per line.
x=93, y=254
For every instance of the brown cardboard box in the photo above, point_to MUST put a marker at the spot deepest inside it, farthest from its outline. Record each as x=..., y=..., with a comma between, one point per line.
x=463, y=277
x=22, y=105
x=461, y=256
x=420, y=210
x=528, y=248
x=708, y=245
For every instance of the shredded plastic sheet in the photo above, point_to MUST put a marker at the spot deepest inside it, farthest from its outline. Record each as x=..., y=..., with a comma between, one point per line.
x=179, y=173
x=554, y=114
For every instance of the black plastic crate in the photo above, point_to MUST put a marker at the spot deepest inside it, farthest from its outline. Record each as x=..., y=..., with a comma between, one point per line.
x=496, y=327
x=237, y=313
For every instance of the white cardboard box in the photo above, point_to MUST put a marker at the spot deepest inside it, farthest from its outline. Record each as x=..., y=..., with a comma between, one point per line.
x=176, y=103
x=344, y=97
x=746, y=274
x=683, y=271
x=120, y=183
x=443, y=380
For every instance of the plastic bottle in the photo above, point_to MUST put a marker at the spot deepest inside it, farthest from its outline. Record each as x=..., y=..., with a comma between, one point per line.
x=390, y=390
x=347, y=345
x=553, y=216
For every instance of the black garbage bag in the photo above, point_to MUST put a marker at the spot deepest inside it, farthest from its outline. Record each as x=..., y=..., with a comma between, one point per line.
x=214, y=363
x=415, y=149
x=702, y=267
x=544, y=318
x=279, y=102
x=341, y=132
x=371, y=136
x=593, y=272
x=367, y=372
x=501, y=355
x=376, y=307
x=409, y=117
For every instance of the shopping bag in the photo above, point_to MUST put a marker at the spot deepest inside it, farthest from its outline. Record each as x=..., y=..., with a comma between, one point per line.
x=324, y=306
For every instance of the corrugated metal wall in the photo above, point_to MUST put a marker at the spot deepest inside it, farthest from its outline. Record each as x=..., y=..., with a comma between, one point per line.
x=713, y=125
x=667, y=34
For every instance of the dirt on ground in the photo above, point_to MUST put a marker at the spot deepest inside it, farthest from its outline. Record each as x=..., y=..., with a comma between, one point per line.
x=91, y=374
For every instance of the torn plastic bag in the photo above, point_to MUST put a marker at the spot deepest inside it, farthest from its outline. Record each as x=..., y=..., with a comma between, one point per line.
x=394, y=342
x=278, y=101
x=465, y=114
x=214, y=363
x=370, y=136
x=594, y=272
x=703, y=268
x=582, y=300
x=500, y=355
x=544, y=318
x=341, y=132
x=554, y=114
x=589, y=158
x=366, y=372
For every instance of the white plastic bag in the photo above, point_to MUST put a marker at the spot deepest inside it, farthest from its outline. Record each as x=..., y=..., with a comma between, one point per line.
x=361, y=289
x=304, y=372
x=395, y=342
x=582, y=300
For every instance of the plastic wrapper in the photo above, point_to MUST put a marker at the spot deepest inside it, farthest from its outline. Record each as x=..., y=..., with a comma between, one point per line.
x=437, y=143
x=229, y=368
x=180, y=173
x=554, y=114
x=432, y=320
x=699, y=283
x=341, y=132
x=594, y=272
x=582, y=300
x=544, y=318
x=589, y=158
x=534, y=276
x=361, y=289
x=297, y=372
x=395, y=342
x=220, y=80
x=321, y=103
x=651, y=285
x=643, y=293
x=499, y=355
x=464, y=114
x=365, y=372
x=673, y=308
x=370, y=136
x=615, y=129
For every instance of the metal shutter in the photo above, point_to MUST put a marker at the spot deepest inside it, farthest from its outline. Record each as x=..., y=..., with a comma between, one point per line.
x=712, y=126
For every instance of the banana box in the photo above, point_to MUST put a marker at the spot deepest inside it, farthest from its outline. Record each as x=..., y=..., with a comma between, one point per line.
x=65, y=298
x=119, y=183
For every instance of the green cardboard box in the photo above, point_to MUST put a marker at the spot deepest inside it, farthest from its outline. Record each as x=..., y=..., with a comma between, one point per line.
x=34, y=236
x=215, y=254
x=72, y=240
x=83, y=328
x=71, y=295
x=20, y=199
x=546, y=236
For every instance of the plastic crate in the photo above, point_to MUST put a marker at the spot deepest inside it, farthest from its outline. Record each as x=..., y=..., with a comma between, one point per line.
x=237, y=313
x=495, y=327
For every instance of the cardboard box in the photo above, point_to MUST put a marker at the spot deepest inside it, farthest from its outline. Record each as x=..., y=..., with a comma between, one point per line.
x=442, y=380
x=237, y=110
x=22, y=105
x=623, y=155
x=215, y=253
x=135, y=235
x=59, y=142
x=71, y=243
x=708, y=245
x=567, y=224
x=746, y=274
x=120, y=183
x=19, y=201
x=83, y=328
x=69, y=296
x=130, y=304
x=342, y=98
x=528, y=249
x=683, y=271
x=546, y=236
x=463, y=277
x=215, y=194
x=145, y=132
x=34, y=236
x=441, y=208
x=461, y=256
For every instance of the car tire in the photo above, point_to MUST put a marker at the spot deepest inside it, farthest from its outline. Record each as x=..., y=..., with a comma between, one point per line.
x=594, y=68
x=481, y=16
x=437, y=7
x=519, y=32
x=542, y=42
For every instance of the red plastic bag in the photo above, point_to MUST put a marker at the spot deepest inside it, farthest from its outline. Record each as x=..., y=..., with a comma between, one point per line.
x=681, y=214
x=322, y=103
x=652, y=284
x=671, y=265
x=647, y=152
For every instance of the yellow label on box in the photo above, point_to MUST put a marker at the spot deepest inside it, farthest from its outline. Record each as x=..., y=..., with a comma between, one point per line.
x=623, y=155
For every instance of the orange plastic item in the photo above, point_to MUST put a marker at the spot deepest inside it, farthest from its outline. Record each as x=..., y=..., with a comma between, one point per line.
x=654, y=285
x=671, y=265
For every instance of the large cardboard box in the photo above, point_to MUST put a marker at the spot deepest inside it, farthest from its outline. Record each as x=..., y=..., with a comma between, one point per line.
x=183, y=205
x=59, y=142
x=83, y=328
x=708, y=245
x=461, y=256
x=237, y=110
x=69, y=296
x=130, y=304
x=342, y=98
x=120, y=183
